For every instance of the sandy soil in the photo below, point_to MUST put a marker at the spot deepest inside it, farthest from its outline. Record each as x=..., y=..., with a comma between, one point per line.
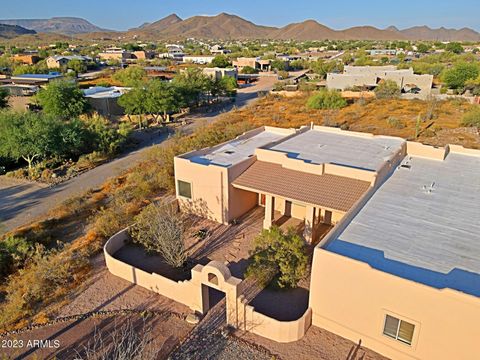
x=104, y=291
x=318, y=344
x=68, y=340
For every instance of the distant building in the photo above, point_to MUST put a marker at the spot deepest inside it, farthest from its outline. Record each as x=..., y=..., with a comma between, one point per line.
x=34, y=79
x=382, y=52
x=27, y=59
x=198, y=59
x=253, y=62
x=143, y=55
x=219, y=73
x=104, y=100
x=219, y=50
x=58, y=61
x=20, y=90
x=174, y=52
x=117, y=54
x=370, y=76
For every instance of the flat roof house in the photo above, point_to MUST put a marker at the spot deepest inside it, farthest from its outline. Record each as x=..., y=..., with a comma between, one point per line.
x=371, y=76
x=34, y=79
x=394, y=226
x=400, y=267
x=407, y=261
x=253, y=62
x=57, y=61
x=282, y=170
x=104, y=100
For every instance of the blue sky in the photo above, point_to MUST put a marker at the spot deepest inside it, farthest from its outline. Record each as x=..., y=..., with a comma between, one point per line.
x=339, y=14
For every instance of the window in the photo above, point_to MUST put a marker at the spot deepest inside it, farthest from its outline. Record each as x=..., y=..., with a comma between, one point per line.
x=398, y=329
x=184, y=189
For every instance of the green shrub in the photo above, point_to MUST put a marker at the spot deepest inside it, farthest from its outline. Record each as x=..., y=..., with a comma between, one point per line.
x=395, y=123
x=387, y=89
x=249, y=70
x=326, y=99
x=13, y=253
x=472, y=117
x=279, y=256
x=460, y=73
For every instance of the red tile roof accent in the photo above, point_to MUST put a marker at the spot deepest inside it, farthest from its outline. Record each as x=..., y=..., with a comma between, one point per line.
x=328, y=191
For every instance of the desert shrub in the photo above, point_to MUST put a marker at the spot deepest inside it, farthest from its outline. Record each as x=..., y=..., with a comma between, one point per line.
x=249, y=70
x=472, y=117
x=306, y=86
x=159, y=228
x=395, y=123
x=326, y=99
x=125, y=341
x=279, y=86
x=13, y=253
x=103, y=136
x=278, y=255
x=46, y=276
x=387, y=89
x=283, y=74
x=110, y=220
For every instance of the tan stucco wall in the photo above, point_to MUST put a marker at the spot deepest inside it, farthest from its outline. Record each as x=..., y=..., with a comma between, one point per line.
x=369, y=75
x=426, y=151
x=209, y=189
x=193, y=294
x=280, y=331
x=354, y=302
x=189, y=292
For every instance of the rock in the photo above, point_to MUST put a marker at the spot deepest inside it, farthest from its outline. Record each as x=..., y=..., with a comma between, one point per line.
x=192, y=319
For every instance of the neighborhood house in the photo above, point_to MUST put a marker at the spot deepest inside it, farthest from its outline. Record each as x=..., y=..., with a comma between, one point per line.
x=395, y=221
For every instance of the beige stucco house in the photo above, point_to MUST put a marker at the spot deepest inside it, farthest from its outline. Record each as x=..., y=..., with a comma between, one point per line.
x=399, y=269
x=371, y=76
x=58, y=61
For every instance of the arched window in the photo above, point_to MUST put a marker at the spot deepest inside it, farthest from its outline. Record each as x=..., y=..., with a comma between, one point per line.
x=213, y=278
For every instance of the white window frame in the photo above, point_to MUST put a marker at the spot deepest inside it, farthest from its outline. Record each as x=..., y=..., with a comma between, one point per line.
x=178, y=189
x=396, y=338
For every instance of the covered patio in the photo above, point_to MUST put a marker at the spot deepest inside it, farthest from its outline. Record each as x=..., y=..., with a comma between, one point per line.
x=309, y=202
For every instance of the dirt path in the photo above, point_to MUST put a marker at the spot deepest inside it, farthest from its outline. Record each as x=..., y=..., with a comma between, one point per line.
x=69, y=340
x=23, y=202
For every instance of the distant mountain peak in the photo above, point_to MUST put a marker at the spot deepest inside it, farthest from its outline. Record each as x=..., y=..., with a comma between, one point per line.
x=392, y=28
x=59, y=25
x=12, y=31
x=229, y=26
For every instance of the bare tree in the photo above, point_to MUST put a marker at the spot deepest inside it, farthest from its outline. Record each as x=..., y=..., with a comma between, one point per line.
x=160, y=228
x=126, y=342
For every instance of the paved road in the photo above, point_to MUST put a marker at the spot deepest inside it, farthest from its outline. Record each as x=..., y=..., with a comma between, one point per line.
x=22, y=202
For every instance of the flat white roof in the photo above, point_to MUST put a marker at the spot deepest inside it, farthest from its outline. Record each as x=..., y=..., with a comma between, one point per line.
x=237, y=150
x=422, y=224
x=348, y=149
x=98, y=92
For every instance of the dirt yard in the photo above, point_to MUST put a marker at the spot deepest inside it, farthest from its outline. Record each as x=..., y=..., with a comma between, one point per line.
x=318, y=344
x=69, y=340
x=104, y=291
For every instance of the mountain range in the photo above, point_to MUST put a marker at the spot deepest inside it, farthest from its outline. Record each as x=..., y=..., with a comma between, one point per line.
x=12, y=31
x=59, y=25
x=227, y=26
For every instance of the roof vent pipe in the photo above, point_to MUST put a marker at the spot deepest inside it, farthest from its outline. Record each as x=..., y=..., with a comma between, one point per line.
x=311, y=125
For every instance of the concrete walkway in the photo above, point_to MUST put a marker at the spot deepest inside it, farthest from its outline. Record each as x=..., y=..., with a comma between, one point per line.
x=22, y=202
